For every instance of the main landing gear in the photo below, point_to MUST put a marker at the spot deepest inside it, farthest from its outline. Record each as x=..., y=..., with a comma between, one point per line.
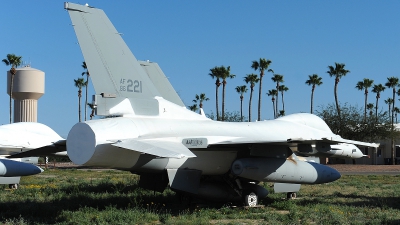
x=250, y=199
x=13, y=186
x=291, y=195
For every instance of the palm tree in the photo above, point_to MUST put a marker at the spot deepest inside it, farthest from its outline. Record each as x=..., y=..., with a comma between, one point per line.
x=389, y=102
x=273, y=93
x=216, y=73
x=241, y=90
x=193, y=107
x=338, y=72
x=200, y=99
x=13, y=61
x=261, y=65
x=313, y=81
x=80, y=83
x=277, y=78
x=364, y=85
x=282, y=89
x=252, y=79
x=392, y=82
x=370, y=106
x=225, y=73
x=378, y=88
x=86, y=72
x=92, y=107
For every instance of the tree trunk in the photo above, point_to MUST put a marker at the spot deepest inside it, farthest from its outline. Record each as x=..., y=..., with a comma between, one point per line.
x=241, y=108
x=376, y=108
x=86, y=90
x=365, y=105
x=259, y=98
x=393, y=148
x=251, y=96
x=273, y=107
x=223, y=99
x=216, y=97
x=277, y=100
x=79, y=106
x=12, y=72
x=336, y=99
x=11, y=90
x=312, y=98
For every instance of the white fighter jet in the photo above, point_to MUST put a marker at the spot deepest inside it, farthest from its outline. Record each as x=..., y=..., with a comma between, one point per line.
x=30, y=139
x=25, y=139
x=18, y=138
x=153, y=135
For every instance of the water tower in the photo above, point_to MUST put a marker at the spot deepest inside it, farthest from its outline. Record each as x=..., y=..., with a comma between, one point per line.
x=27, y=89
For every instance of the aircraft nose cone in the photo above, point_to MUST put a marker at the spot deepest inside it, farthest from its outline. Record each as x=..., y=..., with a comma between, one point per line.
x=32, y=170
x=332, y=174
x=329, y=175
x=10, y=168
x=357, y=154
x=325, y=174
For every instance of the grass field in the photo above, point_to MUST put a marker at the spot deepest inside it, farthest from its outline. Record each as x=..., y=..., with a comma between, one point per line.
x=71, y=196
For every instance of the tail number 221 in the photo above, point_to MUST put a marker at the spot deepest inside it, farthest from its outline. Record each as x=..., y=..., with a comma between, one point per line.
x=132, y=86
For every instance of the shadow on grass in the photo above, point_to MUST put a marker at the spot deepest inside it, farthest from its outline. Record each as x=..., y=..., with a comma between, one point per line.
x=51, y=203
x=47, y=205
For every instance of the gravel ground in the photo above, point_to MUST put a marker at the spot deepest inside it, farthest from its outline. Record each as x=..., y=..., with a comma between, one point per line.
x=348, y=169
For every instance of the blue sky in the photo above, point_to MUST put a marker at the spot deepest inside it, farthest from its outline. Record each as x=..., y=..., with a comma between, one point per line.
x=187, y=38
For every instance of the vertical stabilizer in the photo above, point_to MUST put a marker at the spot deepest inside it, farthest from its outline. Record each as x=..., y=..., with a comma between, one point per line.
x=114, y=70
x=161, y=82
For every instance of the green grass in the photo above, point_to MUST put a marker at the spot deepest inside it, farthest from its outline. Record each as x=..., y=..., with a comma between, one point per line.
x=71, y=196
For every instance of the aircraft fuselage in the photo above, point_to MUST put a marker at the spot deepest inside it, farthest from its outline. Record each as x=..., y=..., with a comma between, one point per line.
x=90, y=144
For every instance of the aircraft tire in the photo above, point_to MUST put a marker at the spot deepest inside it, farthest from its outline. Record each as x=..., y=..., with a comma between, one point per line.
x=13, y=186
x=250, y=199
x=291, y=195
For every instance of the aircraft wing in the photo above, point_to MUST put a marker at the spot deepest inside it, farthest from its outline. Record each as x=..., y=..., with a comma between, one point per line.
x=294, y=141
x=360, y=143
x=158, y=147
x=57, y=147
x=333, y=141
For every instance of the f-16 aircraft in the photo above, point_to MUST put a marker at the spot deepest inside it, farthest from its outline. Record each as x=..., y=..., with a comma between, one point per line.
x=16, y=141
x=17, y=138
x=153, y=135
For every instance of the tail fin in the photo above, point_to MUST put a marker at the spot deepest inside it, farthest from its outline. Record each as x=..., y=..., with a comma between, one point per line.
x=161, y=82
x=113, y=68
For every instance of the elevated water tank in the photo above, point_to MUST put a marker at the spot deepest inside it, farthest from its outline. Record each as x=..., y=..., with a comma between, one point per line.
x=28, y=87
